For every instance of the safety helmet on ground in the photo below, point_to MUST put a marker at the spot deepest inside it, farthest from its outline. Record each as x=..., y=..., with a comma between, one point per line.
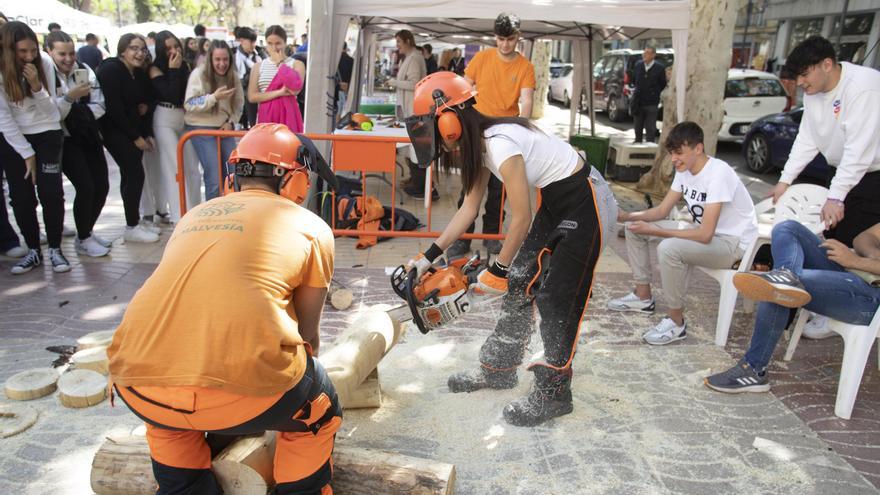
x=272, y=150
x=506, y=24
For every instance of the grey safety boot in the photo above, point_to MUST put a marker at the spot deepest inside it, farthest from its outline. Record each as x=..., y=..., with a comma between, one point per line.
x=482, y=377
x=550, y=397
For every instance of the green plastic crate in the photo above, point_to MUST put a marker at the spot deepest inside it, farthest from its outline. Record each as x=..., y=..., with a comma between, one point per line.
x=377, y=108
x=595, y=147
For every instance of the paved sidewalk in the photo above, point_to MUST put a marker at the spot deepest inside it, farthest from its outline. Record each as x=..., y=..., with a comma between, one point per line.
x=643, y=422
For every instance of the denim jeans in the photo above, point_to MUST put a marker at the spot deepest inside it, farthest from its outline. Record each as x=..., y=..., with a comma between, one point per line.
x=206, y=148
x=836, y=293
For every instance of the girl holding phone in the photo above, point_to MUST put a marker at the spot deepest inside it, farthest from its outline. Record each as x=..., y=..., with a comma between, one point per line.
x=80, y=103
x=214, y=100
x=30, y=148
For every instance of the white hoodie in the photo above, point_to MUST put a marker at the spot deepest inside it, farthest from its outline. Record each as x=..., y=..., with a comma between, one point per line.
x=842, y=124
x=33, y=115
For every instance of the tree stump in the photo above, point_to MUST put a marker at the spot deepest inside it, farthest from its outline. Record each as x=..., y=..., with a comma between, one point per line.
x=93, y=358
x=32, y=384
x=95, y=339
x=82, y=388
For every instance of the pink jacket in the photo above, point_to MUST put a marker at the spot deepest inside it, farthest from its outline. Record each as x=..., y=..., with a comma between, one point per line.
x=283, y=110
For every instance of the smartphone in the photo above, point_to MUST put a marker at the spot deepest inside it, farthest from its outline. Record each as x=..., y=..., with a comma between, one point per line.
x=81, y=76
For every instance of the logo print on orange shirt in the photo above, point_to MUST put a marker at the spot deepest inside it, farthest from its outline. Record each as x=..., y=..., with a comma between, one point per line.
x=220, y=209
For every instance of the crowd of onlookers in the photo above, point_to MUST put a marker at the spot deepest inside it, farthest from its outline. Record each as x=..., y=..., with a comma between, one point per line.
x=62, y=106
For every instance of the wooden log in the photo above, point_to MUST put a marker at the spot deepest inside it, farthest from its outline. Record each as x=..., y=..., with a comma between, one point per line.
x=368, y=395
x=82, y=388
x=245, y=467
x=122, y=467
x=15, y=418
x=32, y=384
x=93, y=358
x=95, y=339
x=357, y=352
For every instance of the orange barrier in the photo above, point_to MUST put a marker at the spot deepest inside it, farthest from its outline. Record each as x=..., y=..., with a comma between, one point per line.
x=356, y=153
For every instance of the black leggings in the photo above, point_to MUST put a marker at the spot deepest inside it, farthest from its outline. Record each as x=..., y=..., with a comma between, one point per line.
x=47, y=146
x=554, y=269
x=86, y=168
x=131, y=172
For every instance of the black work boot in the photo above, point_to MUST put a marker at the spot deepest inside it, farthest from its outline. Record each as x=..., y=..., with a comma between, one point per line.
x=550, y=397
x=482, y=377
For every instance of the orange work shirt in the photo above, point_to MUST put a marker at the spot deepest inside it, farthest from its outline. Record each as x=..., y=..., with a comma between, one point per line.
x=499, y=82
x=217, y=311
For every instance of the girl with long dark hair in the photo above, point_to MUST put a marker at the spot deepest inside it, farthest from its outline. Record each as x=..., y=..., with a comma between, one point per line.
x=30, y=148
x=275, y=82
x=124, y=135
x=169, y=75
x=81, y=104
x=214, y=100
x=565, y=235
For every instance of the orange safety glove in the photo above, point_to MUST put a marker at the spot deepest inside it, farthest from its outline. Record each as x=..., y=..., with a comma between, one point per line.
x=492, y=281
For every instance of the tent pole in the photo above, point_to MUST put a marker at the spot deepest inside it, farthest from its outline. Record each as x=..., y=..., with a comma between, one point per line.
x=590, y=81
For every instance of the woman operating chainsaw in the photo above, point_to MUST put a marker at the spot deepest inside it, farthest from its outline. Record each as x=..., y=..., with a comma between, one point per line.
x=547, y=259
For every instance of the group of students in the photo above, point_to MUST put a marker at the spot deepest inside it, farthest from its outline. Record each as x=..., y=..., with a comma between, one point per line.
x=58, y=115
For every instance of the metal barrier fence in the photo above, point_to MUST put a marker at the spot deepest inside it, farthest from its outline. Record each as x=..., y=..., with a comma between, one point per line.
x=354, y=153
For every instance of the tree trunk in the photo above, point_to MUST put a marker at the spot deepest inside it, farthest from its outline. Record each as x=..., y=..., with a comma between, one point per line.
x=541, y=61
x=142, y=10
x=710, y=40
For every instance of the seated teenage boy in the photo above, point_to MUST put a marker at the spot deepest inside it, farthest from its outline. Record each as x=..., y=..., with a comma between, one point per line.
x=825, y=277
x=724, y=224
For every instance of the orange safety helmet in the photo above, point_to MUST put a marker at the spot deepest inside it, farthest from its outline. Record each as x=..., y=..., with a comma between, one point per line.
x=438, y=94
x=272, y=150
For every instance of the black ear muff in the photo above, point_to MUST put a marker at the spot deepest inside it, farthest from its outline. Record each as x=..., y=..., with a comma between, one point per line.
x=449, y=126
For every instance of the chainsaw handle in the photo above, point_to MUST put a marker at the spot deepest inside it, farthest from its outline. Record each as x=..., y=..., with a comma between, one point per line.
x=411, y=280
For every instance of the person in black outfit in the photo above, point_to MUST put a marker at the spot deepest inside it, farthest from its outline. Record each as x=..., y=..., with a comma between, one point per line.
x=430, y=60
x=80, y=104
x=343, y=73
x=457, y=63
x=89, y=53
x=650, y=79
x=124, y=136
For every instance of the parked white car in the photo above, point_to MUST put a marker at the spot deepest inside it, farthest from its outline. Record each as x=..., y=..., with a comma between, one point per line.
x=560, y=83
x=748, y=96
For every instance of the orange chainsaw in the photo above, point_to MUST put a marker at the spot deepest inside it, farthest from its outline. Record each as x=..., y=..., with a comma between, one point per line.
x=442, y=294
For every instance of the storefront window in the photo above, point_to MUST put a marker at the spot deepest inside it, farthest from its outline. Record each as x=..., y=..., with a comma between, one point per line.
x=802, y=29
x=859, y=24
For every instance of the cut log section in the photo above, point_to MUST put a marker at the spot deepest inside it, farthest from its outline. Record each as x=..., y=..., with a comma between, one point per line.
x=93, y=358
x=122, y=467
x=95, y=339
x=31, y=384
x=82, y=388
x=15, y=418
x=341, y=299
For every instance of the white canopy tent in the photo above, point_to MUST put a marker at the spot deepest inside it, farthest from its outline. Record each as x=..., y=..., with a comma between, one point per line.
x=39, y=13
x=578, y=20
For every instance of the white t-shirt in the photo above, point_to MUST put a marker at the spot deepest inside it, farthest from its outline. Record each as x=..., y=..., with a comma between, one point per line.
x=547, y=158
x=718, y=183
x=842, y=124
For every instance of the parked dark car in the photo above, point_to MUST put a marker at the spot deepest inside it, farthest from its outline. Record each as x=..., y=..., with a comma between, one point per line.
x=768, y=142
x=613, y=80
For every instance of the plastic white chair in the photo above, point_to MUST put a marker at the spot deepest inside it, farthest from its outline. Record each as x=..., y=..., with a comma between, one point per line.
x=801, y=202
x=857, y=342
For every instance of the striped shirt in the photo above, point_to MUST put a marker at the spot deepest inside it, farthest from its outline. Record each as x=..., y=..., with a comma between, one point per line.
x=268, y=70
